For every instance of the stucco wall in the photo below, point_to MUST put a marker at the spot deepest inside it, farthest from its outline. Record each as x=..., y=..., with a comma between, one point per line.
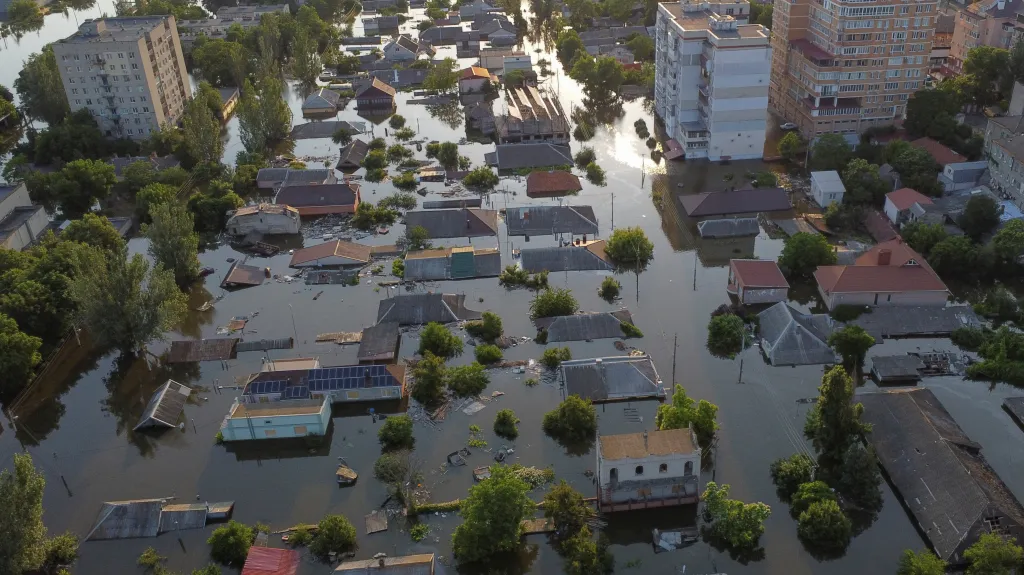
x=763, y=295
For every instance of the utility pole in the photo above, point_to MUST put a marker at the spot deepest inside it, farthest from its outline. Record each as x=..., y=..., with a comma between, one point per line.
x=613, y=211
x=675, y=349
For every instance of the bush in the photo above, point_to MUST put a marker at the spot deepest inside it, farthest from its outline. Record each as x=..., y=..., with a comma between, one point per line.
x=505, y=424
x=585, y=157
x=396, y=433
x=609, y=289
x=419, y=532
x=399, y=201
x=803, y=252
x=397, y=153
x=629, y=247
x=595, y=174
x=300, y=537
x=375, y=175
x=428, y=380
x=554, y=356
x=488, y=329
x=405, y=134
x=377, y=144
x=467, y=380
x=375, y=159
x=969, y=338
x=391, y=467
x=553, y=302
x=530, y=382
x=513, y=276
x=334, y=534
x=725, y=335
x=405, y=181
x=486, y=354
x=436, y=339
x=398, y=268
x=789, y=474
x=809, y=493
x=229, y=544
x=481, y=178
x=150, y=558
x=630, y=330
x=573, y=420
x=62, y=549
x=397, y=121
x=825, y=526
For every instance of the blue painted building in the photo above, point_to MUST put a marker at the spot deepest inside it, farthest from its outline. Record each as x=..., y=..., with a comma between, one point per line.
x=342, y=384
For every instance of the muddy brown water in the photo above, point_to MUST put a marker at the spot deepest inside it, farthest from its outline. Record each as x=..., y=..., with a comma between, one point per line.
x=77, y=422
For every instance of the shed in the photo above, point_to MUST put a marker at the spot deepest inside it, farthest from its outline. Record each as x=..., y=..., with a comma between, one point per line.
x=325, y=129
x=584, y=326
x=575, y=257
x=335, y=253
x=352, y=155
x=827, y=188
x=736, y=202
x=165, y=407
x=543, y=220
x=896, y=368
x=403, y=565
x=380, y=343
x=270, y=561
x=605, y=379
x=127, y=520
x=757, y=281
x=789, y=337
x=178, y=516
x=323, y=101
x=467, y=222
x=321, y=199
x=375, y=95
x=899, y=202
x=241, y=275
x=263, y=219
x=537, y=155
x=420, y=309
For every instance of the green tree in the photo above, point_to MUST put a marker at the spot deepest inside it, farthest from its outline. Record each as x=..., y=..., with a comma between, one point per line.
x=852, y=344
x=442, y=77
x=1008, y=244
x=172, y=241
x=24, y=15
x=391, y=467
x=467, y=380
x=334, y=534
x=505, y=422
x=136, y=176
x=980, y=216
x=928, y=105
x=220, y=62
x=436, y=339
x=574, y=420
x=446, y=153
x=153, y=195
x=209, y=209
x=488, y=354
x=229, y=544
x=482, y=178
x=993, y=554
x=863, y=183
x=264, y=118
x=682, y=413
x=792, y=146
x=601, y=77
x=566, y=507
x=61, y=550
x=922, y=237
x=584, y=556
x=808, y=494
x=1017, y=61
x=41, y=89
x=553, y=302
x=489, y=327
x=21, y=497
x=991, y=67
x=491, y=516
x=789, y=473
x=125, y=304
x=341, y=137
x=202, y=133
x=725, y=335
x=830, y=152
x=954, y=256
x=923, y=562
x=825, y=526
x=833, y=424
x=803, y=252
x=396, y=433
x=630, y=248
x=738, y=524
x=80, y=184
x=96, y=231
x=643, y=48
x=428, y=379
x=860, y=481
x=305, y=62
x=568, y=45
x=917, y=170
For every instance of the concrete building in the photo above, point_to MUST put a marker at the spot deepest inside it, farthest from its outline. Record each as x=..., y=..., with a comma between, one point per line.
x=757, y=281
x=338, y=384
x=522, y=62
x=987, y=23
x=843, y=68
x=532, y=116
x=128, y=72
x=889, y=274
x=456, y=263
x=267, y=219
x=276, y=419
x=1004, y=148
x=711, y=82
x=475, y=80
x=20, y=221
x=899, y=203
x=649, y=469
x=827, y=188
x=246, y=16
x=334, y=253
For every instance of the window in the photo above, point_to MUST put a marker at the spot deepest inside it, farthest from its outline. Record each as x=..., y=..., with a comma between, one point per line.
x=300, y=430
x=88, y=102
x=266, y=432
x=74, y=90
x=663, y=468
x=639, y=470
x=688, y=468
x=120, y=55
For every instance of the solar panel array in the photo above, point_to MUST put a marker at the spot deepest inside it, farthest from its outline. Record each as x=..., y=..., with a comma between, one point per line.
x=349, y=377
x=267, y=387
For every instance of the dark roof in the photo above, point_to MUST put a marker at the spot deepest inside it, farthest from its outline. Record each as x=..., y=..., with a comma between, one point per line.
x=243, y=275
x=453, y=203
x=789, y=337
x=515, y=156
x=438, y=34
x=352, y=154
x=376, y=88
x=165, y=406
x=940, y=474
x=540, y=220
x=728, y=227
x=302, y=197
x=466, y=222
x=585, y=326
x=897, y=367
x=566, y=259
x=905, y=321
x=612, y=378
x=325, y=129
x=379, y=342
x=419, y=309
x=322, y=98
x=300, y=383
x=308, y=176
x=191, y=350
x=227, y=93
x=541, y=183
x=736, y=202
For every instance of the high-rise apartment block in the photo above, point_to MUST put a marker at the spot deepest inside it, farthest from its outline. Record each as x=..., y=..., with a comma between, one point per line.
x=712, y=76
x=848, y=65
x=128, y=72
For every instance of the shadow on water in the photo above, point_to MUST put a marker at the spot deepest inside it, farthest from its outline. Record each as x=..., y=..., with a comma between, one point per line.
x=630, y=528
x=517, y=563
x=278, y=449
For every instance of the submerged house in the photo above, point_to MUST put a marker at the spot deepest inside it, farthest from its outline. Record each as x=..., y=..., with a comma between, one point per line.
x=532, y=116
x=455, y=263
x=319, y=200
x=647, y=470
x=889, y=274
x=607, y=379
x=352, y=155
x=541, y=220
x=334, y=253
x=757, y=281
x=340, y=384
x=322, y=102
x=165, y=407
x=276, y=419
x=734, y=203
x=789, y=337
x=545, y=184
x=266, y=219
x=535, y=155
x=421, y=309
x=375, y=95
x=576, y=257
x=458, y=223
x=584, y=326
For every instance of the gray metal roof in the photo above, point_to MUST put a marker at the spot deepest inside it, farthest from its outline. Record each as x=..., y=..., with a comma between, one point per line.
x=904, y=321
x=515, y=156
x=322, y=98
x=454, y=203
x=379, y=342
x=165, y=406
x=564, y=259
x=539, y=220
x=325, y=129
x=308, y=176
x=467, y=222
x=585, y=326
x=127, y=520
x=612, y=378
x=419, y=309
x=789, y=337
x=728, y=228
x=353, y=153
x=897, y=367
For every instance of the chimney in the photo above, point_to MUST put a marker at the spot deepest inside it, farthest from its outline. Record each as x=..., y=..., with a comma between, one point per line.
x=884, y=257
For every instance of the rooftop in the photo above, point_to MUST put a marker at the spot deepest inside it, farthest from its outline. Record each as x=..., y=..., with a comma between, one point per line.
x=270, y=561
x=516, y=156
x=318, y=199
x=379, y=342
x=404, y=565
x=475, y=72
x=165, y=407
x=736, y=202
x=891, y=266
x=114, y=29
x=790, y=337
x=283, y=407
x=942, y=154
x=582, y=257
x=334, y=248
x=457, y=223
x=549, y=183
x=419, y=309
x=540, y=220
x=828, y=181
x=715, y=25
x=759, y=273
x=904, y=198
x=585, y=326
x=646, y=444
x=604, y=379
x=243, y=275
x=277, y=209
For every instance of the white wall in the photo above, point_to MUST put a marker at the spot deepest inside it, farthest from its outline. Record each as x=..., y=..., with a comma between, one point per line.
x=891, y=212
x=627, y=467
x=277, y=426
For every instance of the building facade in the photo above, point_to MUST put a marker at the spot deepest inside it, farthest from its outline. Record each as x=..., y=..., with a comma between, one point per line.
x=21, y=222
x=844, y=67
x=277, y=419
x=268, y=219
x=649, y=469
x=711, y=82
x=988, y=23
x=1004, y=149
x=128, y=72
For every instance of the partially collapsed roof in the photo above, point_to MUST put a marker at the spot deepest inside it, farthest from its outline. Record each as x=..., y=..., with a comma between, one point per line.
x=165, y=406
x=605, y=379
x=379, y=342
x=789, y=337
x=419, y=309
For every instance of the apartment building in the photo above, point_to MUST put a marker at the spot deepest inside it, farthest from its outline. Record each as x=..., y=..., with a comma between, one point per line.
x=128, y=72
x=846, y=66
x=1004, y=148
x=712, y=76
x=987, y=23
x=245, y=16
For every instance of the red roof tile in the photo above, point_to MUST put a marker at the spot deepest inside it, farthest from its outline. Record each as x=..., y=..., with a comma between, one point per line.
x=475, y=72
x=541, y=183
x=906, y=271
x=942, y=154
x=904, y=198
x=268, y=561
x=758, y=273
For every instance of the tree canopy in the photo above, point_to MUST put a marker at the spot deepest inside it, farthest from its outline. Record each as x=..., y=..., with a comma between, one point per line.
x=993, y=554
x=924, y=562
x=172, y=241
x=830, y=152
x=980, y=216
x=833, y=424
x=436, y=339
x=492, y=514
x=726, y=333
x=630, y=248
x=735, y=523
x=682, y=413
x=574, y=420
x=23, y=546
x=803, y=252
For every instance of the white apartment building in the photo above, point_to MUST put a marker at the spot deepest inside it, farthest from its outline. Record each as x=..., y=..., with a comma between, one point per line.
x=712, y=77
x=128, y=72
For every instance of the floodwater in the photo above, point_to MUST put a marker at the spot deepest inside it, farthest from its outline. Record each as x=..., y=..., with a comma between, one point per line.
x=77, y=422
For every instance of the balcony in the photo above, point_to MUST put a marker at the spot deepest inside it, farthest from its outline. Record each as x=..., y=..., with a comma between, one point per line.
x=704, y=89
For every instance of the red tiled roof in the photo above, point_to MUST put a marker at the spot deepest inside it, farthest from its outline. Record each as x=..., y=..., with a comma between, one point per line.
x=268, y=561
x=904, y=198
x=475, y=72
x=758, y=273
x=942, y=154
x=907, y=271
x=541, y=183
x=879, y=226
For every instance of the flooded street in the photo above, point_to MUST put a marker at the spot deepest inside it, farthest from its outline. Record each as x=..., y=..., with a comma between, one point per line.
x=78, y=423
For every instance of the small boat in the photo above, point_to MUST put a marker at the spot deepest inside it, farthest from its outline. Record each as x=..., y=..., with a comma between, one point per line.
x=458, y=458
x=346, y=475
x=205, y=272
x=481, y=473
